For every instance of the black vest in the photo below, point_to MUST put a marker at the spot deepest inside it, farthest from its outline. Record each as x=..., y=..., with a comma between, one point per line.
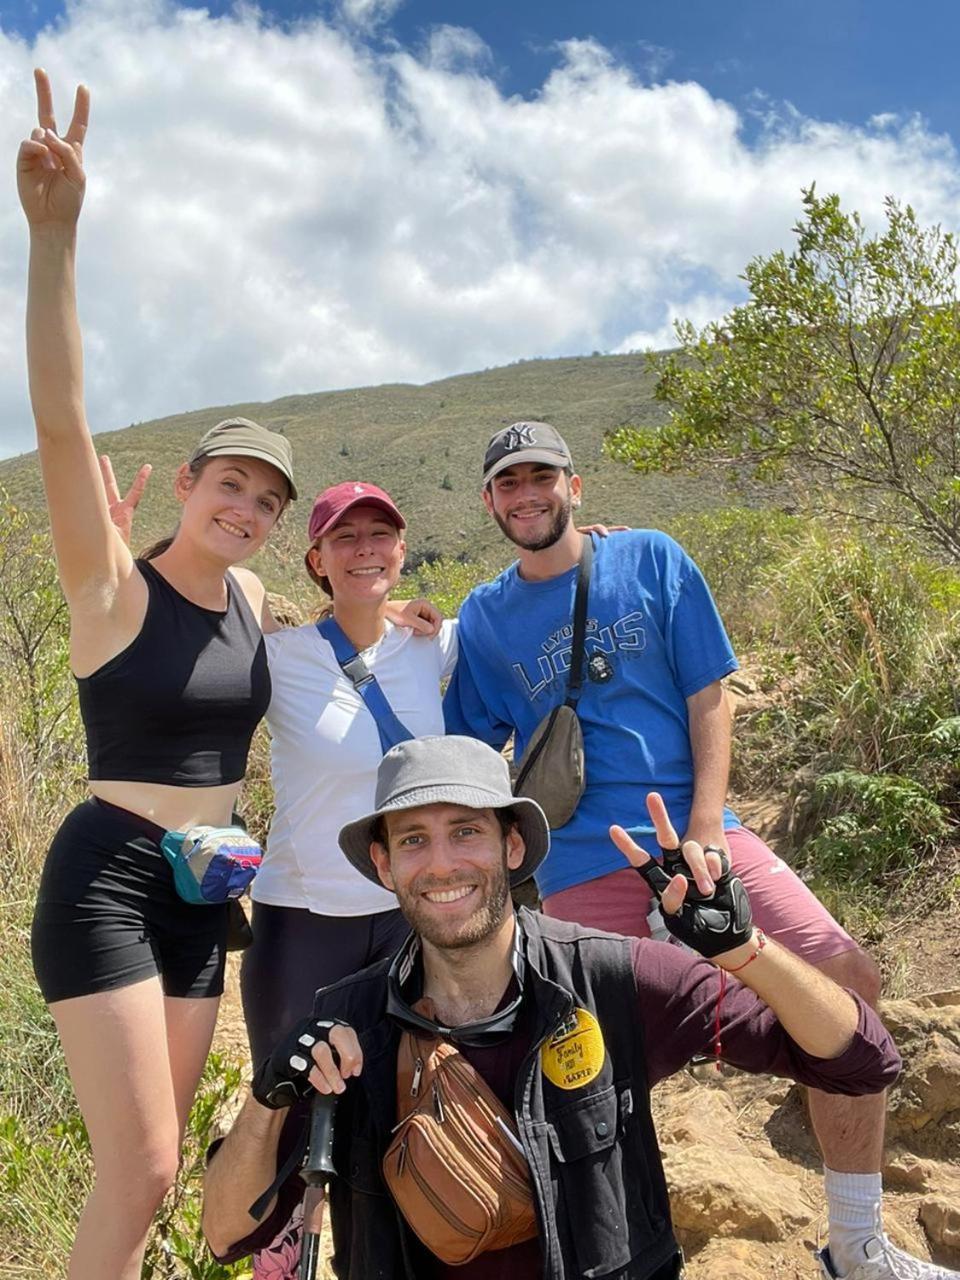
x=601, y=1195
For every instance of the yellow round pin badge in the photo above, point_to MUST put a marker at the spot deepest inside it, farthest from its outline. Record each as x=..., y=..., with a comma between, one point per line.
x=576, y=1052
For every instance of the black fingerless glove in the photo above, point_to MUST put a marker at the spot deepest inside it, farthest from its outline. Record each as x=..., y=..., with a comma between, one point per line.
x=281, y=1079
x=708, y=925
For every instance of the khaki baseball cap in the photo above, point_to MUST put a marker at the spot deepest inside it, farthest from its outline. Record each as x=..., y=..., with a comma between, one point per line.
x=241, y=438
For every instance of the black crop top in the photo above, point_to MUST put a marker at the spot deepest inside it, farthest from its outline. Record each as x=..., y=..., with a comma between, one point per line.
x=179, y=705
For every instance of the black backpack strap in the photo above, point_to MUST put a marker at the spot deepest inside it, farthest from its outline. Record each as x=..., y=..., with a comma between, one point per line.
x=580, y=622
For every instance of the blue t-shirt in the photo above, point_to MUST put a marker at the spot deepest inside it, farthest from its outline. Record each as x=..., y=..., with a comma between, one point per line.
x=650, y=611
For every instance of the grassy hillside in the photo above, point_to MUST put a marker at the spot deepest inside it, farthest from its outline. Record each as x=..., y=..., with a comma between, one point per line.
x=417, y=441
x=847, y=741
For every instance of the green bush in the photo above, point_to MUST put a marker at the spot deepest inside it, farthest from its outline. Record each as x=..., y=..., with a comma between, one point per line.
x=862, y=639
x=878, y=658
x=445, y=582
x=45, y=1153
x=734, y=548
x=44, y=1182
x=34, y=639
x=876, y=824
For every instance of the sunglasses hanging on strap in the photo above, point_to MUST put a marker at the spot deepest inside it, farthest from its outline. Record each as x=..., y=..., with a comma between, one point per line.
x=391, y=729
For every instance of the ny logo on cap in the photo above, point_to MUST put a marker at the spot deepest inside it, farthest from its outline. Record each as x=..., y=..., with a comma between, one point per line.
x=358, y=488
x=519, y=435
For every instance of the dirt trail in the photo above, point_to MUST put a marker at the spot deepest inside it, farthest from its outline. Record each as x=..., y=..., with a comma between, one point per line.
x=745, y=1180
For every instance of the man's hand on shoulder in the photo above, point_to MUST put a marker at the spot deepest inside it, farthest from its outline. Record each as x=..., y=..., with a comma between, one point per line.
x=603, y=530
x=421, y=616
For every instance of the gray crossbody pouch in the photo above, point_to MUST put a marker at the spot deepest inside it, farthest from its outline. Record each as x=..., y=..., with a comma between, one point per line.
x=552, y=770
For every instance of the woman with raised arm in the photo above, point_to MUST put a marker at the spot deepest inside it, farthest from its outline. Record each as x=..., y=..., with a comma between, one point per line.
x=172, y=674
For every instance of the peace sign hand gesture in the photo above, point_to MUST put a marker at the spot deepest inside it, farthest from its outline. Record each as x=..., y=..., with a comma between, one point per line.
x=122, y=510
x=50, y=177
x=704, y=904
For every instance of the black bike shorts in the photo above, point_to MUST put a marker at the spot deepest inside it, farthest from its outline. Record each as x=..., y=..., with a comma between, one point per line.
x=294, y=953
x=108, y=914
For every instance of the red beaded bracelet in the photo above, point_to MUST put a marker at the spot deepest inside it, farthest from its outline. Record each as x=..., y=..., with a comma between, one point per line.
x=761, y=943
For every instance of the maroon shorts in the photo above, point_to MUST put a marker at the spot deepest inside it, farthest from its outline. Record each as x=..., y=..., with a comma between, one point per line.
x=782, y=904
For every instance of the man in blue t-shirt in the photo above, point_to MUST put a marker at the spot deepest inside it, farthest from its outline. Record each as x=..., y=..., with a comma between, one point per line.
x=655, y=718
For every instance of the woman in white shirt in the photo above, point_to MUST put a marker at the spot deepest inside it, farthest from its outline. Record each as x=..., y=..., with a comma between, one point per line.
x=315, y=919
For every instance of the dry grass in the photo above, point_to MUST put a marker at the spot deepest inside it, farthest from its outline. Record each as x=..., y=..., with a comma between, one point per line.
x=45, y=1165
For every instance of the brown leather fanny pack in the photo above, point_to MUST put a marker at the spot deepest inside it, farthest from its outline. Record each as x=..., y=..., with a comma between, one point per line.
x=455, y=1166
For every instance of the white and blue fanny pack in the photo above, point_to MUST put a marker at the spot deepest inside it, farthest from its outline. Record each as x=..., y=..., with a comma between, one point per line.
x=211, y=864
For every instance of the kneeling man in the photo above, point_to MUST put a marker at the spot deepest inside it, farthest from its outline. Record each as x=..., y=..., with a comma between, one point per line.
x=559, y=1031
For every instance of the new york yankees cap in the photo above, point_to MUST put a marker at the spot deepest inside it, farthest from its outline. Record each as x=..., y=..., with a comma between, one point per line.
x=525, y=442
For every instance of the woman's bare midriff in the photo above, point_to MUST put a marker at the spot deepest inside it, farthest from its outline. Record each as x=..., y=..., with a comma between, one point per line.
x=173, y=808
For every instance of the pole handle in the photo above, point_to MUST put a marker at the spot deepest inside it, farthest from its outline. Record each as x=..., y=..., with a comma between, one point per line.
x=318, y=1163
x=317, y=1167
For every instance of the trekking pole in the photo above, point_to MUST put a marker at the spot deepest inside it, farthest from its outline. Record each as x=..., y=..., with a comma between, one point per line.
x=317, y=1167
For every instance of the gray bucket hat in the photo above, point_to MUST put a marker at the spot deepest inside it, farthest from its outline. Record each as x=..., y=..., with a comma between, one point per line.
x=446, y=770
x=241, y=438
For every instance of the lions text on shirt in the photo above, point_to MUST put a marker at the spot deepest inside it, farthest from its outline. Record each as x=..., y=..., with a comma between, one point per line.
x=651, y=616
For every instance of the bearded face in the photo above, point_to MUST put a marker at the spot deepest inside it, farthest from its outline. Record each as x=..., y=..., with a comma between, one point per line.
x=450, y=869
x=532, y=503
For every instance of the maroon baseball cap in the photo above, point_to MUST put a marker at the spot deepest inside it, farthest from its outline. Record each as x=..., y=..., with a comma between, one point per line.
x=330, y=505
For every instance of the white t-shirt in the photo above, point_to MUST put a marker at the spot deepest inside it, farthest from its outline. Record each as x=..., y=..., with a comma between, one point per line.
x=324, y=755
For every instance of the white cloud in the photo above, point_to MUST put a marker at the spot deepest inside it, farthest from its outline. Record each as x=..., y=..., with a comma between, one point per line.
x=456, y=48
x=698, y=308
x=367, y=14
x=654, y=58
x=274, y=210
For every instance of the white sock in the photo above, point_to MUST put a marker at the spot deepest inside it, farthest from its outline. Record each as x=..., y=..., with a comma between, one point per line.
x=853, y=1207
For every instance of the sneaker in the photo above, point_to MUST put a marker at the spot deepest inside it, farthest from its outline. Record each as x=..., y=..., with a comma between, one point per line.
x=885, y=1261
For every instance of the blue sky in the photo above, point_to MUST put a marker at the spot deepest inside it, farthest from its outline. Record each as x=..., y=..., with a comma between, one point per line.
x=835, y=59
x=311, y=196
